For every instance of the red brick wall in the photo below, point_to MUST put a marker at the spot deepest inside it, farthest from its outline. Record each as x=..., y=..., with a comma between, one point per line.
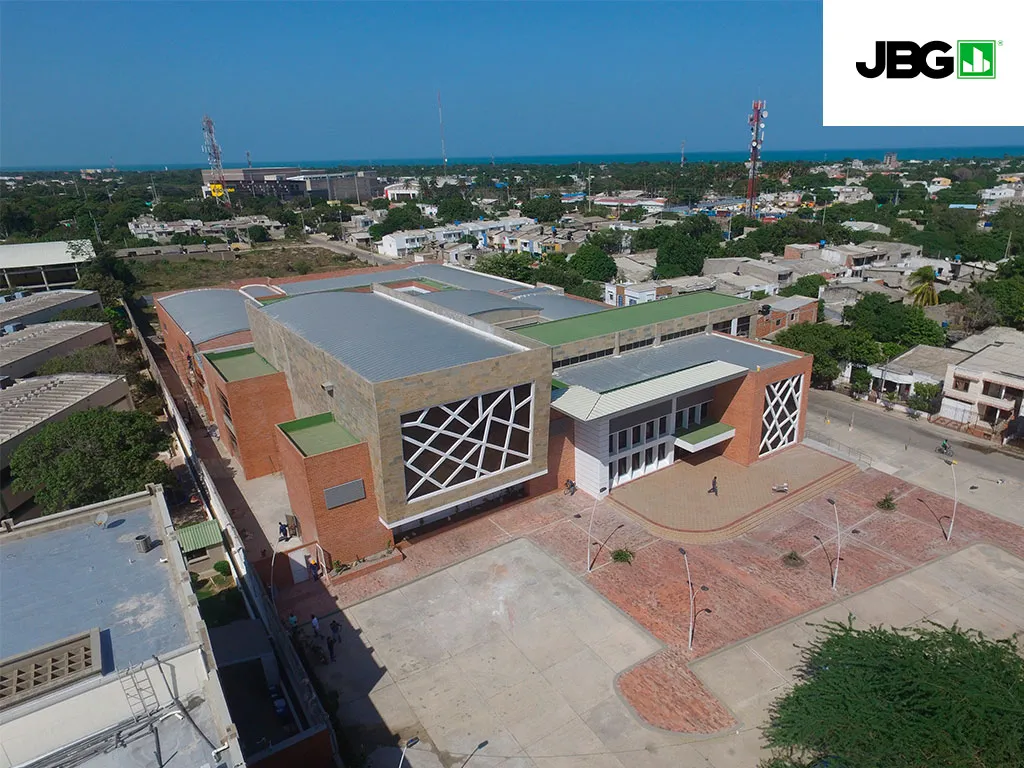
x=561, y=456
x=350, y=531
x=741, y=404
x=311, y=752
x=257, y=405
x=766, y=324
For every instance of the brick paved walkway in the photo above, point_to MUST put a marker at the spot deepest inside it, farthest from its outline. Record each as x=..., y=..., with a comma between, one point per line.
x=750, y=590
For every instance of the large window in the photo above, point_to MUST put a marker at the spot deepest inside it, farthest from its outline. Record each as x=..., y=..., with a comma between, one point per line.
x=781, y=417
x=448, y=445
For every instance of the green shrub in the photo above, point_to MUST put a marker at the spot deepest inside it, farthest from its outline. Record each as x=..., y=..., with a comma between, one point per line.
x=223, y=567
x=623, y=556
x=887, y=502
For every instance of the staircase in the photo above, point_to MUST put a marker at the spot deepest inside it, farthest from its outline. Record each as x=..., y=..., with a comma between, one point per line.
x=138, y=690
x=786, y=503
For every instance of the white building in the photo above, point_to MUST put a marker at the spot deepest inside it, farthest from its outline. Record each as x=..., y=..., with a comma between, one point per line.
x=401, y=244
x=851, y=194
x=628, y=294
x=44, y=266
x=402, y=192
x=986, y=389
x=649, y=204
x=1002, y=192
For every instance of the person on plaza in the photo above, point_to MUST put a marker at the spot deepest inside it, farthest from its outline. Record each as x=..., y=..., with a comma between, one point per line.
x=293, y=622
x=336, y=630
x=282, y=532
x=315, y=623
x=714, y=485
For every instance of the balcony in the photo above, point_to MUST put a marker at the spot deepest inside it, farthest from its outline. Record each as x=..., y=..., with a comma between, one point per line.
x=700, y=436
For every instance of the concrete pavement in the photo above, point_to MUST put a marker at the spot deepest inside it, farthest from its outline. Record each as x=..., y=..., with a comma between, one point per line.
x=986, y=478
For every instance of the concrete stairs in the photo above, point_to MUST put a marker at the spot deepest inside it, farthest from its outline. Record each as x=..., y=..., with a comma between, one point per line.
x=785, y=503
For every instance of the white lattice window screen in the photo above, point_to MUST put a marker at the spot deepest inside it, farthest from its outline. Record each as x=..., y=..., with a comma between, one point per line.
x=448, y=445
x=781, y=418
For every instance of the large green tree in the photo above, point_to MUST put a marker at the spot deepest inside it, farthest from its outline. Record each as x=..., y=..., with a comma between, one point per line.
x=832, y=346
x=407, y=216
x=593, y=263
x=915, y=698
x=89, y=457
x=922, y=287
x=543, y=209
x=514, y=266
x=807, y=285
x=102, y=358
x=456, y=208
x=885, y=321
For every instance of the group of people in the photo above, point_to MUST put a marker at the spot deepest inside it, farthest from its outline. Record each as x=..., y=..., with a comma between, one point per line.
x=331, y=640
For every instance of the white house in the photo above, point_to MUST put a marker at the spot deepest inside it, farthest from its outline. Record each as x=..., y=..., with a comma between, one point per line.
x=404, y=243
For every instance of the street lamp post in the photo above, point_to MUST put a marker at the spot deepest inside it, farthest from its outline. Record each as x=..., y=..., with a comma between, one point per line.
x=590, y=528
x=839, y=543
x=410, y=743
x=693, y=596
x=956, y=498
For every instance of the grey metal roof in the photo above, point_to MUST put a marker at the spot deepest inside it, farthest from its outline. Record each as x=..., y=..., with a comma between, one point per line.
x=207, y=313
x=63, y=581
x=16, y=310
x=608, y=373
x=555, y=306
x=454, y=276
x=474, y=302
x=39, y=338
x=381, y=338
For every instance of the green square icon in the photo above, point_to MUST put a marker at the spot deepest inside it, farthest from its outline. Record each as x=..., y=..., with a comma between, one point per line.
x=976, y=59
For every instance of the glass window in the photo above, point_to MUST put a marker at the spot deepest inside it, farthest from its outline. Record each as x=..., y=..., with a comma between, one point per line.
x=704, y=411
x=611, y=472
x=680, y=420
x=661, y=451
x=636, y=434
x=693, y=415
x=623, y=467
x=636, y=461
x=648, y=457
x=611, y=443
x=649, y=432
x=662, y=425
x=622, y=440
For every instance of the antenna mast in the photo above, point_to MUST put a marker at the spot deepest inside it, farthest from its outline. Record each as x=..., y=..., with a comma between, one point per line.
x=248, y=159
x=440, y=118
x=682, y=154
x=212, y=149
x=758, y=113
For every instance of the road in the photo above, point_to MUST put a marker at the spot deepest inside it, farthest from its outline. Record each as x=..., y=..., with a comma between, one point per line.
x=905, y=448
x=324, y=241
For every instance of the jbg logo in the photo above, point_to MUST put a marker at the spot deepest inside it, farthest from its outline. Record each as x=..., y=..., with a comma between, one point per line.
x=976, y=59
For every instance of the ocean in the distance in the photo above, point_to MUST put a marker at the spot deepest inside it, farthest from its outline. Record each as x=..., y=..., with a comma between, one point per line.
x=815, y=155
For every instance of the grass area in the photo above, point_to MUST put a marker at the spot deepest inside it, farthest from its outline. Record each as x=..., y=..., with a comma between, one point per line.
x=697, y=433
x=275, y=261
x=220, y=602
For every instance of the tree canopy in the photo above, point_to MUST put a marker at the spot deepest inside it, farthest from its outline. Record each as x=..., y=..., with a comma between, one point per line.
x=407, y=216
x=456, y=208
x=89, y=457
x=102, y=358
x=913, y=698
x=513, y=266
x=543, y=209
x=593, y=263
x=683, y=247
x=807, y=285
x=887, y=321
x=832, y=346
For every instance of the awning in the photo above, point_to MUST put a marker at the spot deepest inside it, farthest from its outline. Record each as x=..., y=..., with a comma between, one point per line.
x=702, y=436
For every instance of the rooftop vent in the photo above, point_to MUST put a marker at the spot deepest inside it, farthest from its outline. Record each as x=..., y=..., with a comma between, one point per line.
x=53, y=666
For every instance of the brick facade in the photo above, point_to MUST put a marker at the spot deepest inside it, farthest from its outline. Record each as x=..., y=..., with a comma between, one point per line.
x=561, y=456
x=345, y=533
x=778, y=320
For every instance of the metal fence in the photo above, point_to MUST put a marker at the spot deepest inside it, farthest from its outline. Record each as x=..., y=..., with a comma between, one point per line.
x=854, y=453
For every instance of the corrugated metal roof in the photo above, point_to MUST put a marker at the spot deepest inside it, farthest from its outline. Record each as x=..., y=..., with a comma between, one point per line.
x=474, y=302
x=207, y=313
x=14, y=310
x=585, y=404
x=381, y=338
x=555, y=306
x=32, y=401
x=37, y=338
x=23, y=255
x=454, y=276
x=199, y=536
x=609, y=373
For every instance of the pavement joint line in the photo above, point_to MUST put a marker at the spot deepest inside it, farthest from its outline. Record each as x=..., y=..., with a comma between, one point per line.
x=769, y=665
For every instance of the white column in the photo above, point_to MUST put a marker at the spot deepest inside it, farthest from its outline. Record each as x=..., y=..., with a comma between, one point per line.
x=591, y=444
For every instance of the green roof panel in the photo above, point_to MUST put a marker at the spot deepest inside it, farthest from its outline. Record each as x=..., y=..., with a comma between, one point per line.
x=238, y=364
x=318, y=434
x=624, y=318
x=199, y=536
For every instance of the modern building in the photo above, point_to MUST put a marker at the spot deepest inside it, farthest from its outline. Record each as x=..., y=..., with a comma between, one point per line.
x=984, y=391
x=780, y=312
x=44, y=266
x=347, y=186
x=402, y=192
x=21, y=309
x=22, y=352
x=105, y=661
x=27, y=405
x=390, y=399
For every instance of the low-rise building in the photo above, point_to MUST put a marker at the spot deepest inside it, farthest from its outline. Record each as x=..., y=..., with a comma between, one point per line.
x=628, y=294
x=21, y=309
x=744, y=286
x=772, y=273
x=402, y=192
x=984, y=390
x=920, y=364
x=22, y=352
x=44, y=266
x=105, y=659
x=780, y=312
x=405, y=242
x=147, y=227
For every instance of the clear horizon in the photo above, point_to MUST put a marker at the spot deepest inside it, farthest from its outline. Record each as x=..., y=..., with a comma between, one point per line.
x=360, y=82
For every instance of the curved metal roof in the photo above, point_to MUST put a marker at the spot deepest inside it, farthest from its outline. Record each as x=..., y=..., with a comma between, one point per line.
x=207, y=313
x=474, y=302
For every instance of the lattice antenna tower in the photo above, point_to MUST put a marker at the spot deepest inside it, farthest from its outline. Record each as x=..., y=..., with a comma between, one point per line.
x=758, y=114
x=440, y=119
x=682, y=154
x=212, y=149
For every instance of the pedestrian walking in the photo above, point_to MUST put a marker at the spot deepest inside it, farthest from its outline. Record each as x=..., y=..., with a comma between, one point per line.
x=330, y=647
x=282, y=532
x=336, y=630
x=315, y=623
x=293, y=622
x=714, y=485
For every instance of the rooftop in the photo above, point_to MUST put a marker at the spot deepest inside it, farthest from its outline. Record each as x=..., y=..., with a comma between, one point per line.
x=12, y=311
x=609, y=373
x=925, y=359
x=37, y=338
x=979, y=341
x=447, y=275
x=58, y=580
x=382, y=338
x=238, y=364
x=557, y=306
x=32, y=401
x=200, y=535
x=207, y=313
x=25, y=255
x=999, y=357
x=624, y=318
x=318, y=434
x=475, y=302
x=789, y=303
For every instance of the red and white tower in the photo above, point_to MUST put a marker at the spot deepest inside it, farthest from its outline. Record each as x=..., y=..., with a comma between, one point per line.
x=758, y=114
x=212, y=149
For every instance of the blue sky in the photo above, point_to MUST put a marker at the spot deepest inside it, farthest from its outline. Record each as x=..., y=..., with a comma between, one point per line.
x=85, y=82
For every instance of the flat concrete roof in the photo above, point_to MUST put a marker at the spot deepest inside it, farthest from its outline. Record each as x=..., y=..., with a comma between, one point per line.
x=624, y=318
x=925, y=359
x=38, y=338
x=238, y=364
x=70, y=579
x=608, y=373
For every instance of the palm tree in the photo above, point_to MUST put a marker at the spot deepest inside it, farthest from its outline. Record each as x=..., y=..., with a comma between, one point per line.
x=922, y=287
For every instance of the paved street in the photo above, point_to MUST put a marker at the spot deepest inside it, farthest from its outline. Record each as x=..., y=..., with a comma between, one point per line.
x=905, y=448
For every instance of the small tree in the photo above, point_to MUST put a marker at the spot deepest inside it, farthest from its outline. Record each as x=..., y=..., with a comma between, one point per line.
x=89, y=457
x=514, y=266
x=860, y=380
x=258, y=234
x=380, y=204
x=913, y=698
x=925, y=397
x=98, y=359
x=922, y=287
x=593, y=263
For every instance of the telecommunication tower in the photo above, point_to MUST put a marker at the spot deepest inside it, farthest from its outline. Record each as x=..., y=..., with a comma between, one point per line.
x=248, y=159
x=212, y=149
x=682, y=154
x=758, y=114
x=440, y=118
